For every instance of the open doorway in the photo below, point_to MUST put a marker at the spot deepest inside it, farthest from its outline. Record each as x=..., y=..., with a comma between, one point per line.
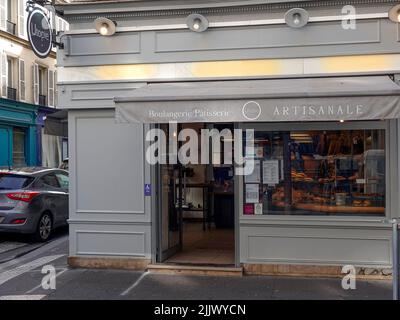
x=196, y=211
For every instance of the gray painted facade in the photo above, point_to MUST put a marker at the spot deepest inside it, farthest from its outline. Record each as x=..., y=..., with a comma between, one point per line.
x=110, y=217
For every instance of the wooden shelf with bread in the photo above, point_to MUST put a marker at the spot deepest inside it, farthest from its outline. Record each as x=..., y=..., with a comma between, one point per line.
x=324, y=186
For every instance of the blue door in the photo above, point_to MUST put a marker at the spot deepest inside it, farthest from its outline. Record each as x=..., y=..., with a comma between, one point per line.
x=5, y=146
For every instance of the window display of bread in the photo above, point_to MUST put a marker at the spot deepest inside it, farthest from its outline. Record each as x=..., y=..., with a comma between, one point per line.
x=300, y=177
x=329, y=172
x=362, y=203
x=340, y=209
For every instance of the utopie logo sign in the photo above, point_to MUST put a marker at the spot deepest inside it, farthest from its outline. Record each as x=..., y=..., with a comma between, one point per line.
x=39, y=33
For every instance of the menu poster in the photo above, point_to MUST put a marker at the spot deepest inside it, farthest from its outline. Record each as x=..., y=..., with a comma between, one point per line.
x=271, y=172
x=252, y=193
x=252, y=176
x=248, y=208
x=258, y=209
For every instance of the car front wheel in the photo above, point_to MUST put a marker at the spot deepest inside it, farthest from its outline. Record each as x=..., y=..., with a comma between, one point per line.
x=44, y=227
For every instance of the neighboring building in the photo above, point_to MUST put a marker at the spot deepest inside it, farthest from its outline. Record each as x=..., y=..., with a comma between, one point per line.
x=323, y=101
x=27, y=93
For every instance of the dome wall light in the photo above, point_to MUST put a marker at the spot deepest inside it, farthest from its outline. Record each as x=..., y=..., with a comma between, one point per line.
x=105, y=27
x=197, y=22
x=394, y=14
x=296, y=17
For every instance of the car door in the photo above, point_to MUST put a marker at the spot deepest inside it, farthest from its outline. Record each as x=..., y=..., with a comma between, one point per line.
x=55, y=197
x=63, y=180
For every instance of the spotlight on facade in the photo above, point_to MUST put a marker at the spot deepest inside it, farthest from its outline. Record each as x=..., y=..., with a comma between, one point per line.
x=296, y=17
x=197, y=22
x=105, y=26
x=394, y=14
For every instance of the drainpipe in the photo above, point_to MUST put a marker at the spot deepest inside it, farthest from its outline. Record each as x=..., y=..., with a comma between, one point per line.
x=395, y=258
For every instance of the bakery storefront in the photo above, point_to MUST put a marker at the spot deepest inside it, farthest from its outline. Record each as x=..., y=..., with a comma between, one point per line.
x=321, y=150
x=315, y=110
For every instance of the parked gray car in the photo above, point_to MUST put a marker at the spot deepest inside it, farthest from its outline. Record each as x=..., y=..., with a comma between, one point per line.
x=33, y=200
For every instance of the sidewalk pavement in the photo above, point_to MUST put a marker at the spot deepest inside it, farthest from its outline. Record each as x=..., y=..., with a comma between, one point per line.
x=21, y=278
x=122, y=284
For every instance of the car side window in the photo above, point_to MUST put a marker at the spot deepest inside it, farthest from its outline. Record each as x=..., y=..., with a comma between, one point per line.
x=50, y=180
x=63, y=179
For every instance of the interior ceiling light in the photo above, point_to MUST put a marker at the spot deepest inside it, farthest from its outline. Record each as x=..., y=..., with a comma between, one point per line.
x=394, y=13
x=197, y=22
x=104, y=26
x=296, y=18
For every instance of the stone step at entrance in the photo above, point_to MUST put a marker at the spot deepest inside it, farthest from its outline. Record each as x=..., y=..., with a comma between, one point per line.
x=205, y=270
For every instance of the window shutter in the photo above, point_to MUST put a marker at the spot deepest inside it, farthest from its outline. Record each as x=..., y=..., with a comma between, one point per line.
x=50, y=86
x=4, y=75
x=3, y=14
x=21, y=88
x=57, y=24
x=55, y=89
x=35, y=74
x=22, y=17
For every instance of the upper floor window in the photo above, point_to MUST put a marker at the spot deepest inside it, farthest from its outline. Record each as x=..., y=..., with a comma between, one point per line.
x=11, y=87
x=11, y=22
x=12, y=80
x=13, y=17
x=43, y=85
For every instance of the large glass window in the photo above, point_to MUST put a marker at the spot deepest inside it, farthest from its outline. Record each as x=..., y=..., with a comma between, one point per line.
x=317, y=173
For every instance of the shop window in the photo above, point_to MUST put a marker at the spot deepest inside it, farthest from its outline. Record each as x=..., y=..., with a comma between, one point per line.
x=19, y=147
x=317, y=173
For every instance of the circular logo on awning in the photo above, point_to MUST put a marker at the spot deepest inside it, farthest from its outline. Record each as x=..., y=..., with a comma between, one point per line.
x=39, y=33
x=251, y=110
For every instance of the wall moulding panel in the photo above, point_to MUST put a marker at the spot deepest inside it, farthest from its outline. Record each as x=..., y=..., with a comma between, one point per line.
x=157, y=9
x=333, y=246
x=89, y=44
x=112, y=240
x=275, y=36
x=95, y=95
x=318, y=39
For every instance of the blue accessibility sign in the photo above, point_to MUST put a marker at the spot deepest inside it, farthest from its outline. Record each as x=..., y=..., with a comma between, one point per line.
x=147, y=189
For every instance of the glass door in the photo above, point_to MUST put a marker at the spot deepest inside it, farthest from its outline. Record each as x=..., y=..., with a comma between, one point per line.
x=170, y=209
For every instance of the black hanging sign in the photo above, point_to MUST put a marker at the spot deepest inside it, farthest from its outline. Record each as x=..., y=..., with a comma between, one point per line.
x=39, y=33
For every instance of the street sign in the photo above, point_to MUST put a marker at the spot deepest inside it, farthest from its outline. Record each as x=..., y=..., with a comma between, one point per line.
x=147, y=190
x=39, y=33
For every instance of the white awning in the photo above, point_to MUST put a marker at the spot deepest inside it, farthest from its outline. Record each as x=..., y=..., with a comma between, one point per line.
x=311, y=99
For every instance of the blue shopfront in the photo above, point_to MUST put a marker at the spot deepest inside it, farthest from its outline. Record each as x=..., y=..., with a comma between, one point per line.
x=18, y=134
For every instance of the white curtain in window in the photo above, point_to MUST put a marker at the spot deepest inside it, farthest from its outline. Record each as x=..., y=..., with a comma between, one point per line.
x=51, y=150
